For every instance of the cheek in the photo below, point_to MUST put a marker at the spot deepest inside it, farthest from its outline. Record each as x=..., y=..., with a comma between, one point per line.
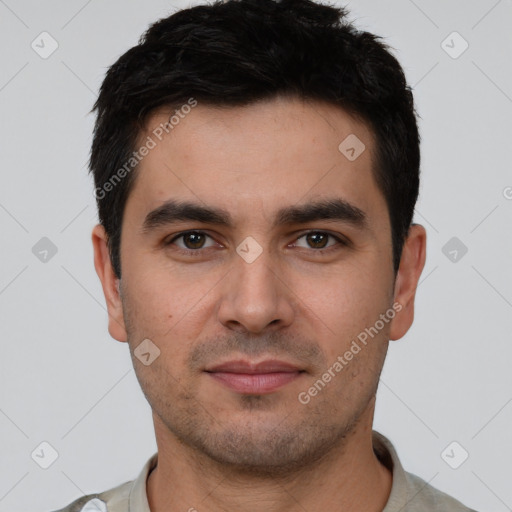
x=164, y=296
x=344, y=305
x=172, y=311
x=343, y=294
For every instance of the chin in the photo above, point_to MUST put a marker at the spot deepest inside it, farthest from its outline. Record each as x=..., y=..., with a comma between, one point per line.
x=262, y=447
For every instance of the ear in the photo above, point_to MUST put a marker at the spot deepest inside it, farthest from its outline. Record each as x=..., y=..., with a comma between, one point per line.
x=406, y=283
x=109, y=282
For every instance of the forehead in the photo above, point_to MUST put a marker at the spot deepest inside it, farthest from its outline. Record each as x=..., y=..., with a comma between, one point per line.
x=254, y=160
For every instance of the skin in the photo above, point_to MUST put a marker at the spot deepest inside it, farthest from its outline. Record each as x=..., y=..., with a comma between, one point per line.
x=224, y=450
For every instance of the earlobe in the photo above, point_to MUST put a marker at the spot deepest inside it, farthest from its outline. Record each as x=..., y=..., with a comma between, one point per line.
x=411, y=266
x=109, y=282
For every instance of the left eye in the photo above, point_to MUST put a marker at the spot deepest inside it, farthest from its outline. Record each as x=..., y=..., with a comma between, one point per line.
x=318, y=239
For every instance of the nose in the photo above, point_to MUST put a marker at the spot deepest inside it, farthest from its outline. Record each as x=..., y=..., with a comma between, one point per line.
x=256, y=297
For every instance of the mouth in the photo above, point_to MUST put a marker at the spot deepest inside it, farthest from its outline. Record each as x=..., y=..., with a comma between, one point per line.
x=254, y=378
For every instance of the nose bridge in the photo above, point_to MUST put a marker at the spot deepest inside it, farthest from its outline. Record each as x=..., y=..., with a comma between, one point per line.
x=256, y=278
x=254, y=295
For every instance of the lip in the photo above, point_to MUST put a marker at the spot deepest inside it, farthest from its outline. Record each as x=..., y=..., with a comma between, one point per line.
x=266, y=366
x=254, y=378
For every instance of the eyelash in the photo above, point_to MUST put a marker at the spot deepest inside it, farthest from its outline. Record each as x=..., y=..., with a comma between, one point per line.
x=197, y=252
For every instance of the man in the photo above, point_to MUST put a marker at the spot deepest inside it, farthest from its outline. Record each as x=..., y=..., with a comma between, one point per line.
x=256, y=166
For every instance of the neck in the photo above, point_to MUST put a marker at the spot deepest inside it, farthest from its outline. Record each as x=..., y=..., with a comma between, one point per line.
x=350, y=477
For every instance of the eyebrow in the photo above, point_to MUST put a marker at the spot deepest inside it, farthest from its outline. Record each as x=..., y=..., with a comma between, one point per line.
x=336, y=209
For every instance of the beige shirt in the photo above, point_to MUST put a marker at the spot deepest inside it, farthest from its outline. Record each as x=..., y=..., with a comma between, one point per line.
x=409, y=493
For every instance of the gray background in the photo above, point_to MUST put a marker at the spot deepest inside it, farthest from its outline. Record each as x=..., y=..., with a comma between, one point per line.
x=66, y=382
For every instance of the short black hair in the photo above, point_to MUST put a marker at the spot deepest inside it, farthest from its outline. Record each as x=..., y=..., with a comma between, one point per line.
x=237, y=52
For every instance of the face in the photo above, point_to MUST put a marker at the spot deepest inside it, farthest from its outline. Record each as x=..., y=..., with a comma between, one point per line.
x=253, y=293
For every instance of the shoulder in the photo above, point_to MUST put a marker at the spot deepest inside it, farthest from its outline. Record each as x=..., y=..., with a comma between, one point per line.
x=410, y=493
x=112, y=500
x=122, y=498
x=421, y=496
x=77, y=505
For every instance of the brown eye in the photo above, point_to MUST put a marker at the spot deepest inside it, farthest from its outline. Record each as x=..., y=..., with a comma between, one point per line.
x=191, y=241
x=319, y=240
